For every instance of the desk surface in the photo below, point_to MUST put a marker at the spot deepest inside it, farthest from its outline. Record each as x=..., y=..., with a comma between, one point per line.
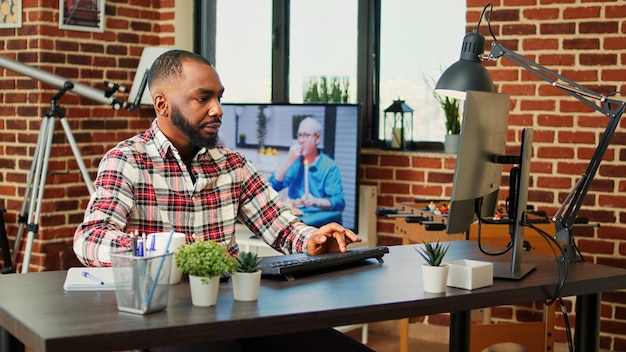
x=36, y=310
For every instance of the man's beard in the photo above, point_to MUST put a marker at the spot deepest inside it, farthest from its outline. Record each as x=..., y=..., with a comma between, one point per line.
x=191, y=132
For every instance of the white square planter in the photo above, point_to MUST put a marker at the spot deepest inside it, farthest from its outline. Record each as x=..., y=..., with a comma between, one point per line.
x=470, y=274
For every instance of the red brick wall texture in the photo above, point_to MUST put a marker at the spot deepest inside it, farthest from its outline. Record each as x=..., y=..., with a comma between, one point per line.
x=583, y=40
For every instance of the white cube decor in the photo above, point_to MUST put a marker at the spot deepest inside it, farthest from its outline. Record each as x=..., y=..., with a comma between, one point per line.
x=470, y=274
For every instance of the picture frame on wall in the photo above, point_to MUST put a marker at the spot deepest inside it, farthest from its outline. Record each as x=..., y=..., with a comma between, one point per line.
x=10, y=13
x=82, y=15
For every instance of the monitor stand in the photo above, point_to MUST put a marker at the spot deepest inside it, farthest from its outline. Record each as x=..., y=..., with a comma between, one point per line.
x=518, y=193
x=503, y=270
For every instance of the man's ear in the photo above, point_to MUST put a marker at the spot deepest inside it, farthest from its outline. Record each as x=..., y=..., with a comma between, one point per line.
x=161, y=105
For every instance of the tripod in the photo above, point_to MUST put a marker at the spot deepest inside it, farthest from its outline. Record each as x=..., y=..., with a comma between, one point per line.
x=33, y=196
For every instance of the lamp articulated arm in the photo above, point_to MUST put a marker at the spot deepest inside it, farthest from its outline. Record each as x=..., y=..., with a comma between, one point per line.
x=574, y=89
x=612, y=108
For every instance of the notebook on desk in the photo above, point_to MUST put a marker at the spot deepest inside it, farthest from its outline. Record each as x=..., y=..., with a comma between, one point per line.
x=292, y=265
x=89, y=279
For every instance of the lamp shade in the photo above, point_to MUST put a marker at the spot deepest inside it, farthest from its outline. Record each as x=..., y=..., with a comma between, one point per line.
x=468, y=73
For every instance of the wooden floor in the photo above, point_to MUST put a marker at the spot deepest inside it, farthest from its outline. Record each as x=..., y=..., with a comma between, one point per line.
x=381, y=342
x=383, y=338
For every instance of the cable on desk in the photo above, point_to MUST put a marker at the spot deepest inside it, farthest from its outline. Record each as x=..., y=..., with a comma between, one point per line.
x=508, y=247
x=561, y=261
x=481, y=220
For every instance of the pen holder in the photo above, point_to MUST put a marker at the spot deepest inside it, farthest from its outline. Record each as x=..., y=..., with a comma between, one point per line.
x=141, y=283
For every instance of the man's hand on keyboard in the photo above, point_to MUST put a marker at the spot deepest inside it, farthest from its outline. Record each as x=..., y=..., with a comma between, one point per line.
x=330, y=238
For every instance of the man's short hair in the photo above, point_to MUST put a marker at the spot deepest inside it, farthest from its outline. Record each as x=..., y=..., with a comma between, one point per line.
x=169, y=65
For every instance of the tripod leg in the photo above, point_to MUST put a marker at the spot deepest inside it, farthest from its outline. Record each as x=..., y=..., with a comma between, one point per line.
x=36, y=199
x=4, y=243
x=77, y=156
x=32, y=180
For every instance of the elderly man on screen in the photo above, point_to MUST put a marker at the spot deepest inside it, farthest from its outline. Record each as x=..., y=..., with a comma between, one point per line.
x=173, y=176
x=312, y=177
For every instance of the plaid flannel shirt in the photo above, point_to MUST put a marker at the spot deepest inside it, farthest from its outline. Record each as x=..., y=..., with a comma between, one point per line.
x=143, y=185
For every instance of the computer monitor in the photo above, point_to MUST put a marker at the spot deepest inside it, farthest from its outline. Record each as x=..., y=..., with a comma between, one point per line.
x=264, y=133
x=478, y=173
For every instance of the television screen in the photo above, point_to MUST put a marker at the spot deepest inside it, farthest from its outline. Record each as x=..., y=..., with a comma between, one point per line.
x=308, y=152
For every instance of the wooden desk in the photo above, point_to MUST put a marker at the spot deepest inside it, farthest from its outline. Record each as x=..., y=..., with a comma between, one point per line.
x=36, y=310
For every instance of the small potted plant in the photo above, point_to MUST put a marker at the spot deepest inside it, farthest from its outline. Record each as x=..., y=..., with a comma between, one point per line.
x=450, y=108
x=247, y=276
x=434, y=271
x=205, y=262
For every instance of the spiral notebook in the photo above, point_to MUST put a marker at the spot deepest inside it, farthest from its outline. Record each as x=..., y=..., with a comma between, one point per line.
x=89, y=279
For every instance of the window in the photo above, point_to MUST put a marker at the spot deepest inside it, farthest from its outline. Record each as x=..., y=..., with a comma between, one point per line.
x=416, y=42
x=243, y=49
x=323, y=43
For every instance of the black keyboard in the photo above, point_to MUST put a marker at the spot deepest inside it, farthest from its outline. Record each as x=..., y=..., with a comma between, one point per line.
x=292, y=265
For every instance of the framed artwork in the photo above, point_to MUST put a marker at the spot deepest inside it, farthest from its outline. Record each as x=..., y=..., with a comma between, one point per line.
x=82, y=15
x=10, y=13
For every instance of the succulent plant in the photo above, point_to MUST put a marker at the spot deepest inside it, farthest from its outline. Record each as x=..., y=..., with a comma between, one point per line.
x=247, y=262
x=433, y=252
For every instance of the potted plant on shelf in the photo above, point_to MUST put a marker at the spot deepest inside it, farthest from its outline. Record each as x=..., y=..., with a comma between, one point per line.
x=450, y=108
x=205, y=262
x=247, y=276
x=434, y=271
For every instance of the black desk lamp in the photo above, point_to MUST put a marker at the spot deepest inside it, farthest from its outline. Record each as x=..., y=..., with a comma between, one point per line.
x=469, y=74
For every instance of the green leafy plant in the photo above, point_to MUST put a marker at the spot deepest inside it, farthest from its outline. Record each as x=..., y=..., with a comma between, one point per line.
x=205, y=259
x=247, y=262
x=433, y=252
x=450, y=107
x=322, y=89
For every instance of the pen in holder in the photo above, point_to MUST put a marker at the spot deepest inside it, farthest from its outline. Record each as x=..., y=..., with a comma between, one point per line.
x=141, y=283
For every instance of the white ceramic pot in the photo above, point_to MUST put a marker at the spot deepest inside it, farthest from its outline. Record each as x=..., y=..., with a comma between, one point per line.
x=204, y=295
x=246, y=286
x=435, y=278
x=451, y=143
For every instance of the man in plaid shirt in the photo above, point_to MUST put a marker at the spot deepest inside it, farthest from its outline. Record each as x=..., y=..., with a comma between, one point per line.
x=174, y=176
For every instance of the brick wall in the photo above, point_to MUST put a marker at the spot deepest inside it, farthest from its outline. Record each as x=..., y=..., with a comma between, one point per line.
x=583, y=40
x=89, y=58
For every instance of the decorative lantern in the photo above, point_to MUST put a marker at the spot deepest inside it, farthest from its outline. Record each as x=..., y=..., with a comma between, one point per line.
x=398, y=125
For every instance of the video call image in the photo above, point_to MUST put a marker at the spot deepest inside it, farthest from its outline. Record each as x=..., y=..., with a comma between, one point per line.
x=308, y=153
